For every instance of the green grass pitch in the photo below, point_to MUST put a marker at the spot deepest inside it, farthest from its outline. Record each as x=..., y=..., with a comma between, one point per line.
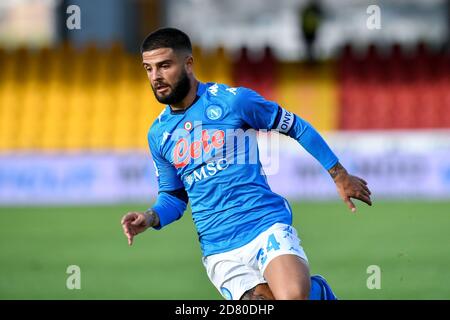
x=409, y=241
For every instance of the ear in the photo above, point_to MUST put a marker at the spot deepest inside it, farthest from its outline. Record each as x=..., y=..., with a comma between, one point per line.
x=189, y=64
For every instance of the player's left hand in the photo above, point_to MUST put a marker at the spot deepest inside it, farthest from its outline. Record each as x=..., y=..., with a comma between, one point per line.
x=349, y=187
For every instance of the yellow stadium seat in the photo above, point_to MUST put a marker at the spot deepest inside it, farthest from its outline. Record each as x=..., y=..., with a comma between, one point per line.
x=222, y=71
x=104, y=101
x=310, y=92
x=11, y=105
x=54, y=118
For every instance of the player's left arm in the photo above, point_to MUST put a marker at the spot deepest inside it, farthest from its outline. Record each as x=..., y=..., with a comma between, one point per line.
x=260, y=113
x=349, y=186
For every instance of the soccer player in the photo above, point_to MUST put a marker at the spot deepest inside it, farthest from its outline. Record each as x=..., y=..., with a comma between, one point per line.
x=250, y=248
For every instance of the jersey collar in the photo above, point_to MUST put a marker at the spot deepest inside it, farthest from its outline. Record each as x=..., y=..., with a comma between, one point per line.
x=201, y=88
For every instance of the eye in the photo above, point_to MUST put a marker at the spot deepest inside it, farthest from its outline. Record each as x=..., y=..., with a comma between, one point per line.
x=165, y=65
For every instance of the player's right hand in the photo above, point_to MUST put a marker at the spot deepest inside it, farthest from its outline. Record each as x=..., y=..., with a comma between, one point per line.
x=134, y=223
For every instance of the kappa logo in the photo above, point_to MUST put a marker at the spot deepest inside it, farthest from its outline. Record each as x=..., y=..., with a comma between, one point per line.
x=214, y=112
x=213, y=89
x=232, y=90
x=165, y=136
x=160, y=115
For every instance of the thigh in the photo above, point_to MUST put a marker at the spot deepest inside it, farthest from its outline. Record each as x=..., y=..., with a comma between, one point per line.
x=278, y=240
x=283, y=262
x=231, y=277
x=288, y=277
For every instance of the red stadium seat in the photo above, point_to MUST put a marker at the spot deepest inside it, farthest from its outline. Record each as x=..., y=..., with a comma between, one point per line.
x=265, y=70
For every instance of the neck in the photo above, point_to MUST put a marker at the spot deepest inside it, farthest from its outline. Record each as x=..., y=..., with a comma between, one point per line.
x=189, y=99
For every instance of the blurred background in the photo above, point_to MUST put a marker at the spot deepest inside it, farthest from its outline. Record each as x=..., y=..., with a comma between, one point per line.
x=75, y=108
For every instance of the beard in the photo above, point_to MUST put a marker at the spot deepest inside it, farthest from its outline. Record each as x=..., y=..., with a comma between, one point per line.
x=179, y=90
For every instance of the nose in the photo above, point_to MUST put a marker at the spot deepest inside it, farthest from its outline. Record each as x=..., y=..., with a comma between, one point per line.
x=155, y=75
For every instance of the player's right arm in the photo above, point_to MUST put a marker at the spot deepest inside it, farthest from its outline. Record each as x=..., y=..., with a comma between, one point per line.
x=170, y=204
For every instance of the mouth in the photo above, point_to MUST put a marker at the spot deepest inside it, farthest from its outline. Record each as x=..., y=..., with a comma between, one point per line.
x=160, y=88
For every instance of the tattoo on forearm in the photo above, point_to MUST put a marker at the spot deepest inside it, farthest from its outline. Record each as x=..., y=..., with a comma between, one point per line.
x=336, y=170
x=152, y=218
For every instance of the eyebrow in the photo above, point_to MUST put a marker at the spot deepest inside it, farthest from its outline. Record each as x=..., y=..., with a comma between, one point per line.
x=158, y=63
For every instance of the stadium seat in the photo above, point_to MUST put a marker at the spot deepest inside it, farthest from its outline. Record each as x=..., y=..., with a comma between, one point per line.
x=89, y=105
x=310, y=92
x=222, y=71
x=244, y=70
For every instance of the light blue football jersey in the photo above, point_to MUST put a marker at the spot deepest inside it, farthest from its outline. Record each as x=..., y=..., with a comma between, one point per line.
x=205, y=150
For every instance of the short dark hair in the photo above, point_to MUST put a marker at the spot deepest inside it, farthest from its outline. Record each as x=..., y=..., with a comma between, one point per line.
x=167, y=38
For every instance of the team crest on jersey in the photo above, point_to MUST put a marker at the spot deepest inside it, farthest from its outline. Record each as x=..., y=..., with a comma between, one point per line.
x=214, y=112
x=188, y=125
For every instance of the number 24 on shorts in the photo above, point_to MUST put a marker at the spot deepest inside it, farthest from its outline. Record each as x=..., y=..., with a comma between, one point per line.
x=272, y=244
